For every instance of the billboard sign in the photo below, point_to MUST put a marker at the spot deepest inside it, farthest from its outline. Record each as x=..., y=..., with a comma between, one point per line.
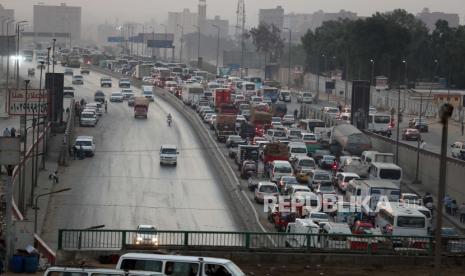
x=159, y=43
x=115, y=39
x=7, y=42
x=36, y=103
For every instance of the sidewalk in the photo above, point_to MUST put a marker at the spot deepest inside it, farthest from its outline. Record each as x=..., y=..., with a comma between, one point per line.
x=419, y=189
x=25, y=229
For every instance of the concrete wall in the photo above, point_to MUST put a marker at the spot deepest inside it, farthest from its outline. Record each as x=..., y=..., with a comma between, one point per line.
x=428, y=167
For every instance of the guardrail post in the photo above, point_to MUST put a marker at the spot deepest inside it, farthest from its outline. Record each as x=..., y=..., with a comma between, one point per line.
x=369, y=249
x=430, y=246
x=123, y=240
x=79, y=240
x=247, y=240
x=309, y=241
x=186, y=238
x=60, y=239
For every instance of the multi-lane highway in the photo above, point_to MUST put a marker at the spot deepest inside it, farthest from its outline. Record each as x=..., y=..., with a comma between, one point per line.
x=123, y=185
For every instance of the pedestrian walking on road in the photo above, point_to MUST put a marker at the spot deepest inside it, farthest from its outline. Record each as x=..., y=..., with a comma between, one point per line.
x=6, y=132
x=462, y=212
x=54, y=177
x=74, y=152
x=106, y=106
x=13, y=132
x=453, y=207
x=296, y=112
x=447, y=201
x=423, y=145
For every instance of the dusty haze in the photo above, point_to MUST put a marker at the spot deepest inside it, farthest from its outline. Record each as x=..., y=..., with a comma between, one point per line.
x=95, y=11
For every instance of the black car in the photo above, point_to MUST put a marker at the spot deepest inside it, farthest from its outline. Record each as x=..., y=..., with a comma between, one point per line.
x=85, y=71
x=421, y=126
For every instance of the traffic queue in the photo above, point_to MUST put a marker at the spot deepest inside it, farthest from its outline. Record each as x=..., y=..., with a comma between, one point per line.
x=285, y=159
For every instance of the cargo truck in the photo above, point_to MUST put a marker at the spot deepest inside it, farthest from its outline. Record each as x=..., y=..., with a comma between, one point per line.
x=349, y=139
x=143, y=70
x=225, y=125
x=221, y=96
x=141, y=107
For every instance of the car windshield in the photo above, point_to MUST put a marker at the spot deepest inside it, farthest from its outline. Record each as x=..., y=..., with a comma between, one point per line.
x=168, y=151
x=283, y=169
x=83, y=143
x=393, y=174
x=146, y=228
x=116, y=94
x=326, y=188
x=309, y=138
x=328, y=158
x=382, y=119
x=279, y=134
x=306, y=95
x=87, y=115
x=322, y=176
x=294, y=133
x=319, y=216
x=349, y=178
x=290, y=180
x=268, y=189
x=410, y=222
x=299, y=150
x=307, y=163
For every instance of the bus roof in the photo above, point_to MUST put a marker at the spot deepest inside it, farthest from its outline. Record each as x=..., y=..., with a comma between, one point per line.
x=401, y=209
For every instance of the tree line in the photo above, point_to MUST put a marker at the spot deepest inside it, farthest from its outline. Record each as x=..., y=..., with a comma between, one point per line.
x=395, y=44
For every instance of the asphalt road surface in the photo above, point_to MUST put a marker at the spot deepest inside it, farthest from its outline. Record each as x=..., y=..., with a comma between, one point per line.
x=123, y=185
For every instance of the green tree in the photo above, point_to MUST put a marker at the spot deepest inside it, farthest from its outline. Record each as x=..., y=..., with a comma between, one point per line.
x=267, y=40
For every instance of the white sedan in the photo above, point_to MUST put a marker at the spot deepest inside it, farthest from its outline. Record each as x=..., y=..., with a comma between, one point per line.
x=116, y=97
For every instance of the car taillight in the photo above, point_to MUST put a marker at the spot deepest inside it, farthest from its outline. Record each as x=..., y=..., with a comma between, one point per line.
x=334, y=166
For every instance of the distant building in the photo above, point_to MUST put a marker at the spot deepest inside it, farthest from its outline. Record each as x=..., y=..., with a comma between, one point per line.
x=202, y=16
x=7, y=13
x=186, y=18
x=213, y=31
x=57, y=19
x=430, y=18
x=300, y=23
x=272, y=16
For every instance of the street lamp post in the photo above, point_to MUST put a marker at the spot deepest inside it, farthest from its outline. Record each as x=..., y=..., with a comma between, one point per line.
x=445, y=112
x=53, y=55
x=3, y=19
x=217, y=46
x=198, y=45
x=166, y=37
x=8, y=53
x=372, y=62
x=36, y=208
x=18, y=25
x=182, y=42
x=289, y=59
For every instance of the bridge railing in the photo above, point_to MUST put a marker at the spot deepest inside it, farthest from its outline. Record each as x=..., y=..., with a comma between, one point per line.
x=75, y=240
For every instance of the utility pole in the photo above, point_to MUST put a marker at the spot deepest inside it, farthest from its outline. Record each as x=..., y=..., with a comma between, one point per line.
x=18, y=25
x=217, y=46
x=445, y=112
x=8, y=54
x=372, y=61
x=346, y=86
x=166, y=38
x=198, y=45
x=417, y=170
x=182, y=42
x=289, y=61
x=53, y=55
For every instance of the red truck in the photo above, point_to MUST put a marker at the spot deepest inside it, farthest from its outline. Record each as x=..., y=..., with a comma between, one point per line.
x=221, y=97
x=275, y=151
x=141, y=107
x=261, y=121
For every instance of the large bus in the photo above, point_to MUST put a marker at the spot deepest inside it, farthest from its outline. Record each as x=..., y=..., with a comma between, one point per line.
x=270, y=94
x=257, y=80
x=310, y=124
x=399, y=219
x=192, y=93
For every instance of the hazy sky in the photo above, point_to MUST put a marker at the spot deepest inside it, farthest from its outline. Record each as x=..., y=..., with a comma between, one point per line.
x=143, y=10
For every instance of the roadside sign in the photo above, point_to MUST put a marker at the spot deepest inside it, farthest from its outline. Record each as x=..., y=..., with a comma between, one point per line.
x=159, y=43
x=115, y=39
x=7, y=44
x=17, y=104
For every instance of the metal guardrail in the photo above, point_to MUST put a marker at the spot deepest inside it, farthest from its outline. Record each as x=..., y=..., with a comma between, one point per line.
x=75, y=240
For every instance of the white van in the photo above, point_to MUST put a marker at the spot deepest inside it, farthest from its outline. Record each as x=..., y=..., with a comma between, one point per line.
x=370, y=156
x=385, y=171
x=280, y=168
x=88, y=118
x=398, y=219
x=75, y=271
x=178, y=265
x=168, y=155
x=147, y=91
x=297, y=149
x=336, y=235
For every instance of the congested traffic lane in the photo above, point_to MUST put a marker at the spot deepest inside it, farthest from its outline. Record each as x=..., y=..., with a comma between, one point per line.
x=123, y=185
x=432, y=138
